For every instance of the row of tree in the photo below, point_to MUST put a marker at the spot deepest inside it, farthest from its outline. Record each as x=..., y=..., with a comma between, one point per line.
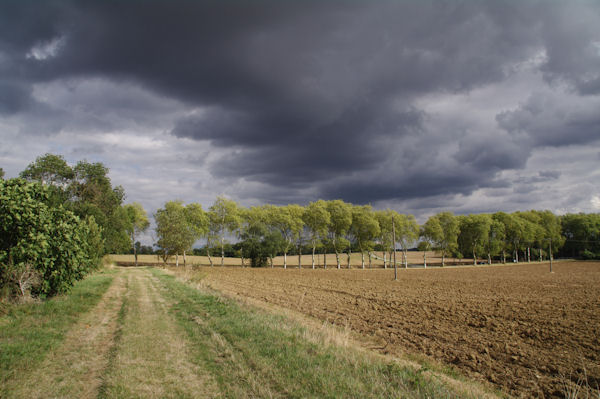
x=264, y=232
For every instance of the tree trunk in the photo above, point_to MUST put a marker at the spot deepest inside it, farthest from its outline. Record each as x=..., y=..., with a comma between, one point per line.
x=184, y=260
x=384, y=260
x=503, y=257
x=362, y=254
x=270, y=257
x=337, y=259
x=370, y=260
x=209, y=258
x=325, y=258
x=474, y=257
x=405, y=254
x=299, y=257
x=425, y=259
x=134, y=249
x=528, y=255
x=313, y=257
x=489, y=258
x=349, y=254
x=285, y=260
x=443, y=258
x=517, y=255
x=222, y=253
x=176, y=260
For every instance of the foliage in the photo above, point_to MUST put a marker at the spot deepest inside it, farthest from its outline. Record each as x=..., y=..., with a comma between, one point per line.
x=254, y=236
x=1, y=173
x=86, y=190
x=364, y=228
x=223, y=218
x=60, y=246
x=474, y=234
x=137, y=223
x=582, y=234
x=287, y=220
x=316, y=218
x=340, y=222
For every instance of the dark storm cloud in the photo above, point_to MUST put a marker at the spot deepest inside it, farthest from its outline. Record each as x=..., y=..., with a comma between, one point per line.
x=315, y=94
x=554, y=120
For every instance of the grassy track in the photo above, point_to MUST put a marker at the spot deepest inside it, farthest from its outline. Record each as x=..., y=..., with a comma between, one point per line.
x=140, y=333
x=150, y=355
x=29, y=332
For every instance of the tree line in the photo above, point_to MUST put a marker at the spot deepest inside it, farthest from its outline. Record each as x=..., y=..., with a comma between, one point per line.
x=57, y=221
x=263, y=232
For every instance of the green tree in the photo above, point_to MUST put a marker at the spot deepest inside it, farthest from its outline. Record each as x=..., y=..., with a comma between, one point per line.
x=172, y=230
x=224, y=219
x=317, y=219
x=288, y=221
x=196, y=224
x=582, y=234
x=385, y=239
x=552, y=232
x=1, y=174
x=448, y=242
x=474, y=233
x=431, y=234
x=254, y=235
x=49, y=169
x=407, y=232
x=495, y=239
x=42, y=240
x=365, y=230
x=137, y=223
x=340, y=222
x=92, y=194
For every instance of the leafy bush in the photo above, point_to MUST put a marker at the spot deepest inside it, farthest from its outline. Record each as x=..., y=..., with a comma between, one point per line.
x=59, y=246
x=589, y=255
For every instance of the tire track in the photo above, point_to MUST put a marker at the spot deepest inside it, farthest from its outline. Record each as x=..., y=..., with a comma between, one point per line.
x=151, y=358
x=75, y=368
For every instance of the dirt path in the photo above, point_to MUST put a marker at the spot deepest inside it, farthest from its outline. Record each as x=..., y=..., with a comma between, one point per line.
x=75, y=368
x=150, y=356
x=127, y=346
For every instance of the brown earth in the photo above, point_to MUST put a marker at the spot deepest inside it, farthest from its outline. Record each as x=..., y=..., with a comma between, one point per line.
x=521, y=328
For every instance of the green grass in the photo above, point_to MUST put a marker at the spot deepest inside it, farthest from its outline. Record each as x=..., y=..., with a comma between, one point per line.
x=253, y=353
x=29, y=331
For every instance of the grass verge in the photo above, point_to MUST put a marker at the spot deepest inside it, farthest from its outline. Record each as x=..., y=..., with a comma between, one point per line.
x=29, y=331
x=252, y=353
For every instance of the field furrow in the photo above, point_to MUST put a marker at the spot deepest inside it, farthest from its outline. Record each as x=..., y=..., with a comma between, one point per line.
x=519, y=327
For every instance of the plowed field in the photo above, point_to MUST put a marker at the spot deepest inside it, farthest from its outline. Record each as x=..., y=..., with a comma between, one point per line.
x=528, y=332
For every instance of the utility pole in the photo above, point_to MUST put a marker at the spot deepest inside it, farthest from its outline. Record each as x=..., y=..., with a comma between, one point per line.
x=394, y=238
x=551, y=255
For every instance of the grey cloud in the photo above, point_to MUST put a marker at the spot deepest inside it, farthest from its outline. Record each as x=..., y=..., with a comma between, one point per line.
x=317, y=97
x=555, y=119
x=14, y=97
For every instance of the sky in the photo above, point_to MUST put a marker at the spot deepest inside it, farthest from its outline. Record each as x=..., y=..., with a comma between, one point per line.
x=420, y=106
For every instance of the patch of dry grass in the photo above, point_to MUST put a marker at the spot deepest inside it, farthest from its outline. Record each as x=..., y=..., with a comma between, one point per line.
x=74, y=369
x=151, y=356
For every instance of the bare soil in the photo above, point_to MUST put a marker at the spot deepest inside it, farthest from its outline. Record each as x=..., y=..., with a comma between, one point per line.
x=524, y=330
